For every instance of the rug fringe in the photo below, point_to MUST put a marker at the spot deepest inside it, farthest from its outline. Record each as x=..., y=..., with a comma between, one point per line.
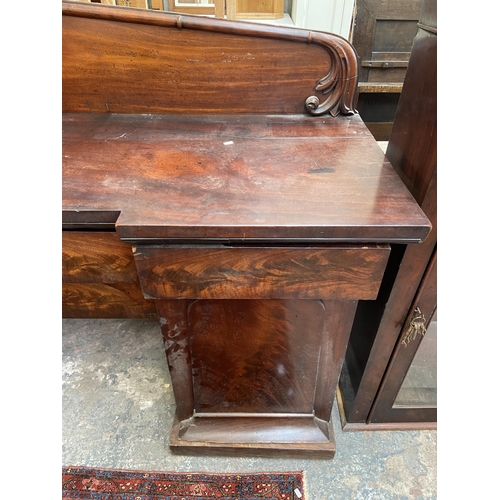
x=304, y=484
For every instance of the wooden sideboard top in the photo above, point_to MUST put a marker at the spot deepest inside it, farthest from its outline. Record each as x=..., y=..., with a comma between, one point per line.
x=234, y=177
x=188, y=128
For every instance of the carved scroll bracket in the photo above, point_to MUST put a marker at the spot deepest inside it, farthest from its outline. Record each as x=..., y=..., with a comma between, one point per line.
x=340, y=84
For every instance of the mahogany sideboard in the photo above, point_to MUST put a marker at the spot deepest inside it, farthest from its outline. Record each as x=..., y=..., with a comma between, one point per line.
x=217, y=177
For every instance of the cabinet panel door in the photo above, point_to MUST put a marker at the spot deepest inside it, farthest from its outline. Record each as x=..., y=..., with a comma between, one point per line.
x=255, y=356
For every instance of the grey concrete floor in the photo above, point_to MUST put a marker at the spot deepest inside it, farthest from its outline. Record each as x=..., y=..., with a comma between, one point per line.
x=118, y=407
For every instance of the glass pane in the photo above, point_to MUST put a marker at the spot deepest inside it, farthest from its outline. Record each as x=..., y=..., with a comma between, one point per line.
x=194, y=3
x=420, y=384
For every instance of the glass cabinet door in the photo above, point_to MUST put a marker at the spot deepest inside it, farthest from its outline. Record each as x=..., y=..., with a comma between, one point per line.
x=419, y=387
x=408, y=392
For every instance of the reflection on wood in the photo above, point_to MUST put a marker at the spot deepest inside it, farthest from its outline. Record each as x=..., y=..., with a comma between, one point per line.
x=255, y=356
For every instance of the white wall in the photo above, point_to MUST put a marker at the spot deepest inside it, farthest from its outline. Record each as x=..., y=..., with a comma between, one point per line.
x=333, y=16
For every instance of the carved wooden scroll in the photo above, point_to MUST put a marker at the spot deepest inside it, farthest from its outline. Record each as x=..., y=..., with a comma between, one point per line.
x=339, y=86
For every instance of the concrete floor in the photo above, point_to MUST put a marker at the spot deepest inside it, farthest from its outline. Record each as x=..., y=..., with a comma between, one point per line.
x=118, y=407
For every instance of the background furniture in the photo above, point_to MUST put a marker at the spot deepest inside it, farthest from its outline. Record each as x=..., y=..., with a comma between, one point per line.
x=383, y=353
x=383, y=34
x=232, y=9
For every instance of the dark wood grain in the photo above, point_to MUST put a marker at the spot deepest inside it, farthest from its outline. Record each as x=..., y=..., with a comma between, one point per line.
x=200, y=142
x=387, y=318
x=102, y=300
x=255, y=376
x=257, y=356
x=95, y=257
x=123, y=60
x=402, y=356
x=339, y=317
x=182, y=181
x=100, y=278
x=302, y=437
x=407, y=150
x=253, y=272
x=175, y=331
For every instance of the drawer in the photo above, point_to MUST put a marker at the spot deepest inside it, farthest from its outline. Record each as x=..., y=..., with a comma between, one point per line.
x=197, y=272
x=96, y=257
x=100, y=300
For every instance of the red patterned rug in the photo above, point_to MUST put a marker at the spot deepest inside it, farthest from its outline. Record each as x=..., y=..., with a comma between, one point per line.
x=113, y=484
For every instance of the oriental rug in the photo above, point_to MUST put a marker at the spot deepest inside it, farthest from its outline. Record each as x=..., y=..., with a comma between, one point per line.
x=115, y=484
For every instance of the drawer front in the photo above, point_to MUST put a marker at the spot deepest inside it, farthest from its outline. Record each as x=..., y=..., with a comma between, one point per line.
x=93, y=257
x=342, y=272
x=100, y=300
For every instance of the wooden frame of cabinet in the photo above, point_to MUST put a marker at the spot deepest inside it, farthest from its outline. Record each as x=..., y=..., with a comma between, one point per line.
x=374, y=365
x=385, y=409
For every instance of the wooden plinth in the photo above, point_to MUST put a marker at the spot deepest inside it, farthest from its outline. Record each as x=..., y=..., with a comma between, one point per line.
x=272, y=436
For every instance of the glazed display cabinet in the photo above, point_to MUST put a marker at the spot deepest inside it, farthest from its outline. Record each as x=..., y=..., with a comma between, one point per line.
x=388, y=378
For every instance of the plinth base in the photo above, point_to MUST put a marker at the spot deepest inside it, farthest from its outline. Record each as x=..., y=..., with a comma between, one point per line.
x=265, y=436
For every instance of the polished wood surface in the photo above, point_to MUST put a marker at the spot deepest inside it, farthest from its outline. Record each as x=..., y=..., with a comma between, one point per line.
x=255, y=376
x=383, y=410
x=106, y=300
x=260, y=208
x=96, y=257
x=253, y=272
x=408, y=150
x=258, y=356
x=175, y=331
x=202, y=177
x=378, y=325
x=100, y=278
x=120, y=60
x=302, y=437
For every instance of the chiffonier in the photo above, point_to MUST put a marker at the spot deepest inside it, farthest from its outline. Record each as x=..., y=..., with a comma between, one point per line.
x=218, y=179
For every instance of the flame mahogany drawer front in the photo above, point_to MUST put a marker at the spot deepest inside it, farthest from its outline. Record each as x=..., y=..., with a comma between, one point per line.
x=93, y=257
x=100, y=278
x=334, y=272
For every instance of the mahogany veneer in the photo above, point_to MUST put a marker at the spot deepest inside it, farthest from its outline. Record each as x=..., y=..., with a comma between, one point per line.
x=213, y=153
